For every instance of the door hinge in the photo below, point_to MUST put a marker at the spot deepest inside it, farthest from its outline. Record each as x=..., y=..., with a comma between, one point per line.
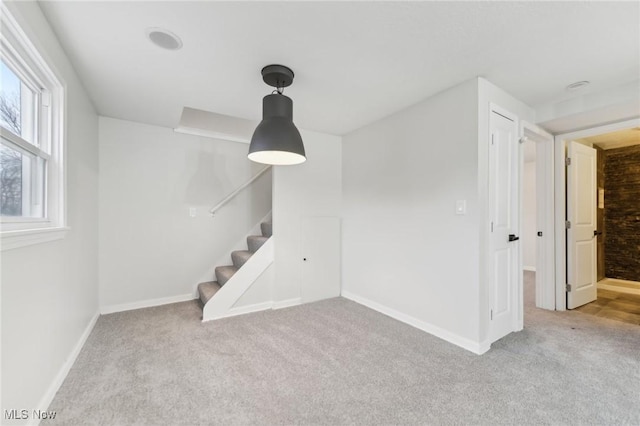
x=567, y=224
x=491, y=314
x=568, y=287
x=491, y=226
x=492, y=139
x=567, y=161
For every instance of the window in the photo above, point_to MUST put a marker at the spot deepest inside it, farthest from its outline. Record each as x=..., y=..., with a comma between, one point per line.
x=31, y=130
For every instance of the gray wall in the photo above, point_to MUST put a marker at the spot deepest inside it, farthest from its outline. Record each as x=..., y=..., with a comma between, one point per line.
x=404, y=248
x=150, y=177
x=50, y=290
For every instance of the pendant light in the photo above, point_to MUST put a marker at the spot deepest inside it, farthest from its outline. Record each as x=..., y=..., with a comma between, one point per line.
x=276, y=140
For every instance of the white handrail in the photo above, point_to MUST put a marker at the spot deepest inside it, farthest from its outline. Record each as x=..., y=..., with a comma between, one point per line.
x=237, y=191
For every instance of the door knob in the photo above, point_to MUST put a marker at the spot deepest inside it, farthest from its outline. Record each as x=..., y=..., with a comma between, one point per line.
x=512, y=237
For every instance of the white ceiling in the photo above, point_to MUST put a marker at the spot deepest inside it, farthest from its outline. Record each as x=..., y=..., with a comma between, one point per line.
x=355, y=62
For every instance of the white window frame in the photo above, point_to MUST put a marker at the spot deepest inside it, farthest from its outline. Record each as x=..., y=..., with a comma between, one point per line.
x=48, y=141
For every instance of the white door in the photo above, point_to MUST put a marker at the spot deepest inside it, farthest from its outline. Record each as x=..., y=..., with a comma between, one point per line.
x=321, y=258
x=581, y=214
x=504, y=214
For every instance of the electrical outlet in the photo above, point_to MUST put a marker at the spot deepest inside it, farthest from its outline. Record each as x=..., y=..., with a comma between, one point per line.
x=193, y=211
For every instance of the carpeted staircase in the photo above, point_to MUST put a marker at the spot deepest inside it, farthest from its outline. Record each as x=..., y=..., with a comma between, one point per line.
x=208, y=289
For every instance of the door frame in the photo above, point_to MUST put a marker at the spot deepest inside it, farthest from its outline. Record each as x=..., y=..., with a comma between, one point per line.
x=561, y=199
x=545, y=247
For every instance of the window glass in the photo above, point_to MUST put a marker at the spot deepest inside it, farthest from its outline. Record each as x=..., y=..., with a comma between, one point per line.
x=21, y=183
x=17, y=105
x=21, y=172
x=10, y=181
x=10, y=100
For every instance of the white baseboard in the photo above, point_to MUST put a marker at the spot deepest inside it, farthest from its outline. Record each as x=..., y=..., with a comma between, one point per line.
x=483, y=347
x=110, y=309
x=529, y=268
x=476, y=347
x=241, y=310
x=48, y=396
x=286, y=303
x=257, y=307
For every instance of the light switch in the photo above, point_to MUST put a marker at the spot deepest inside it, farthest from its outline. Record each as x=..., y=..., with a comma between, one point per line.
x=461, y=207
x=193, y=211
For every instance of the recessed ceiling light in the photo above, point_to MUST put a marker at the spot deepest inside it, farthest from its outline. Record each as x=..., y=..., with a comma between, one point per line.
x=164, y=38
x=577, y=85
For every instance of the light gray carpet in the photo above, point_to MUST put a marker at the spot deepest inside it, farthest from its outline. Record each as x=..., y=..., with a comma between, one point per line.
x=336, y=362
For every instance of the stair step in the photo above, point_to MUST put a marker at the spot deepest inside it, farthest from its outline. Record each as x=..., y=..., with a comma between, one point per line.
x=207, y=290
x=255, y=242
x=240, y=257
x=267, y=229
x=223, y=273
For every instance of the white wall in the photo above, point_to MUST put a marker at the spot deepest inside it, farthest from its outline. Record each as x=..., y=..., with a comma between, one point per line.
x=404, y=248
x=50, y=290
x=529, y=215
x=310, y=189
x=150, y=247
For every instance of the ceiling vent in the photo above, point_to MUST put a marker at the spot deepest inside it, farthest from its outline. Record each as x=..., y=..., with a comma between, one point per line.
x=577, y=85
x=164, y=38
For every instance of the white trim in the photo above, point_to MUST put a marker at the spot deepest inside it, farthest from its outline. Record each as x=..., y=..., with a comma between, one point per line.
x=241, y=310
x=529, y=268
x=476, y=347
x=15, y=239
x=560, y=217
x=560, y=199
x=264, y=306
x=23, y=144
x=287, y=303
x=48, y=396
x=110, y=309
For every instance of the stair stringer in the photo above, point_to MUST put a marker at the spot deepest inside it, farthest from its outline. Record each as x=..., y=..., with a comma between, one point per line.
x=220, y=304
x=240, y=244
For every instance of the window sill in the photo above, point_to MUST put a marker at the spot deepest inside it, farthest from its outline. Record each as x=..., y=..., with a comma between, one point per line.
x=27, y=237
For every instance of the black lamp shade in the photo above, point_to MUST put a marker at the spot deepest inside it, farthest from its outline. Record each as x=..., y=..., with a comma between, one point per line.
x=276, y=140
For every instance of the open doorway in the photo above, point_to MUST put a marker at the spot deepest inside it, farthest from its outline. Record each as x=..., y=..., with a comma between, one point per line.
x=618, y=225
x=530, y=231
x=537, y=225
x=611, y=283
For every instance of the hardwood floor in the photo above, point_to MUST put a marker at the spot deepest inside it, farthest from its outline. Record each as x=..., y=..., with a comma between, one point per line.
x=614, y=305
